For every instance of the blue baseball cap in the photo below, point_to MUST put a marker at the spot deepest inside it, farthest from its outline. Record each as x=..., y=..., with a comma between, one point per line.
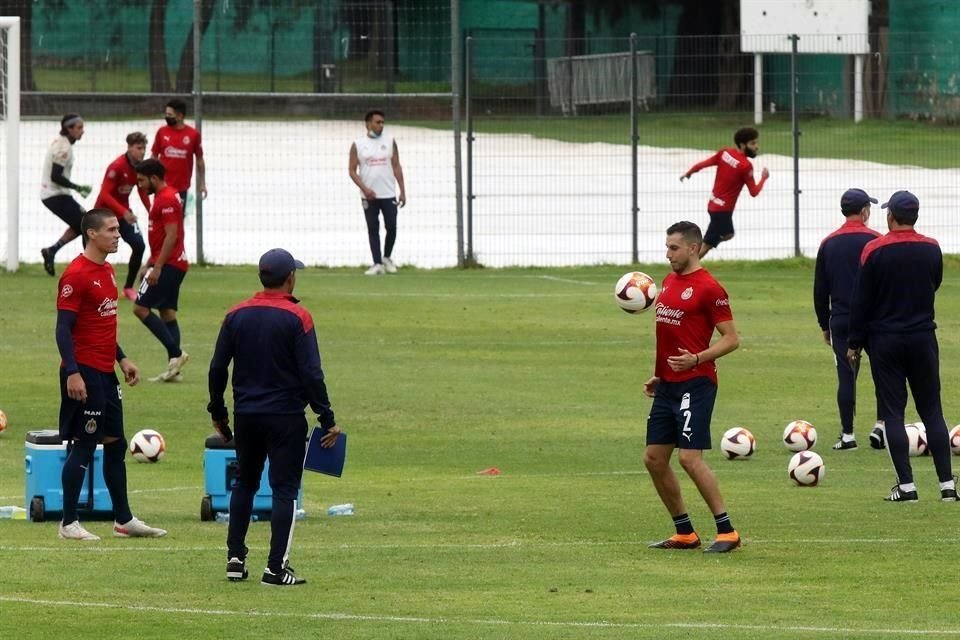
x=904, y=204
x=277, y=264
x=853, y=200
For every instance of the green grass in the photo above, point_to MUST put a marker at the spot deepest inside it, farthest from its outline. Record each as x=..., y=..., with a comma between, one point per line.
x=439, y=374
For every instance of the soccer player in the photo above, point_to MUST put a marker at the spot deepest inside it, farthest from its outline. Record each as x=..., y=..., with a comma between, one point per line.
x=272, y=343
x=375, y=169
x=734, y=170
x=55, y=186
x=118, y=182
x=91, y=412
x=684, y=387
x=838, y=262
x=166, y=267
x=175, y=145
x=892, y=317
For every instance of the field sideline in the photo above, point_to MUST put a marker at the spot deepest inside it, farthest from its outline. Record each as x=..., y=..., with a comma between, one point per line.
x=437, y=375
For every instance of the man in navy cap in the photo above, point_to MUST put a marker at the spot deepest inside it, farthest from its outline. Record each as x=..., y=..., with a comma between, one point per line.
x=276, y=371
x=892, y=317
x=838, y=261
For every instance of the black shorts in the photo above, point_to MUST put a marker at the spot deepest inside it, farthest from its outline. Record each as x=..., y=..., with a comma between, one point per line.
x=681, y=413
x=67, y=209
x=101, y=415
x=720, y=227
x=166, y=293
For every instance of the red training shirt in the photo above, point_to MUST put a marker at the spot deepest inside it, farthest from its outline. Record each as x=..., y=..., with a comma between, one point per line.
x=118, y=182
x=166, y=210
x=90, y=290
x=688, y=310
x=175, y=149
x=734, y=170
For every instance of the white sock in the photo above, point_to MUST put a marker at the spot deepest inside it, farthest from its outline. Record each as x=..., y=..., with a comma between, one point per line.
x=908, y=487
x=949, y=484
x=848, y=437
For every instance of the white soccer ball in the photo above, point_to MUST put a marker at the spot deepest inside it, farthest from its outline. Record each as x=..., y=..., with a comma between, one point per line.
x=799, y=435
x=738, y=443
x=916, y=439
x=147, y=445
x=955, y=440
x=635, y=292
x=806, y=468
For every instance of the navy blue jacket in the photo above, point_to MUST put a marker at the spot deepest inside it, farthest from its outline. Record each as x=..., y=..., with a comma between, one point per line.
x=276, y=363
x=838, y=262
x=899, y=276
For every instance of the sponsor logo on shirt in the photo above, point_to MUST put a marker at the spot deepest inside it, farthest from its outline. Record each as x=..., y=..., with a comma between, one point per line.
x=723, y=302
x=107, y=308
x=668, y=315
x=687, y=293
x=67, y=291
x=730, y=160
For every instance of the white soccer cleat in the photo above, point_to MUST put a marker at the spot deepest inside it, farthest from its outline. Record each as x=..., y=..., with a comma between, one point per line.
x=375, y=270
x=172, y=374
x=389, y=266
x=137, y=528
x=75, y=531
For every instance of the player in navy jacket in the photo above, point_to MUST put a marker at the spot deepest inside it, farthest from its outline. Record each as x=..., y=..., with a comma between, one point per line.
x=892, y=316
x=838, y=262
x=276, y=372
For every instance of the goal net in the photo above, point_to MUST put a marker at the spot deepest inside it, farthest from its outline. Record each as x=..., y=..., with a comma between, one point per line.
x=10, y=140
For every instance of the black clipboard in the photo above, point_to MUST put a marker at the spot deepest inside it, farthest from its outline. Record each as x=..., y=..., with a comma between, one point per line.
x=327, y=461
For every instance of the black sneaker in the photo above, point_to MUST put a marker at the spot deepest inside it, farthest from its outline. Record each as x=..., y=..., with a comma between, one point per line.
x=237, y=570
x=48, y=262
x=950, y=495
x=283, y=578
x=877, y=439
x=678, y=541
x=844, y=445
x=899, y=495
x=725, y=543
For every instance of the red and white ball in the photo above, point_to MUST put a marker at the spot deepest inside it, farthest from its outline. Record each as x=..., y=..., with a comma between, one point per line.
x=799, y=435
x=635, y=292
x=955, y=440
x=147, y=445
x=806, y=469
x=738, y=443
x=916, y=439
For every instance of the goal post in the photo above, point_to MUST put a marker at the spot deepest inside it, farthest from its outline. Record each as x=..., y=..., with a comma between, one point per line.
x=10, y=114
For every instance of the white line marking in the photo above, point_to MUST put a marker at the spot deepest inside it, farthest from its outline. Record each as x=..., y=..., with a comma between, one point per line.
x=568, y=280
x=166, y=490
x=599, y=624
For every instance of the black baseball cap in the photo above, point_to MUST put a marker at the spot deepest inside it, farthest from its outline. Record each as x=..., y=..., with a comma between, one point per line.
x=904, y=203
x=277, y=264
x=853, y=200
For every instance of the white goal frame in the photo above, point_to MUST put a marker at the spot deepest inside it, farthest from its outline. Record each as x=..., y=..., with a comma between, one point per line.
x=11, y=24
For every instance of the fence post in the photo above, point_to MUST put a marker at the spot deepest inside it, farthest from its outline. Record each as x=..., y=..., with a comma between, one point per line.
x=198, y=111
x=455, y=85
x=468, y=75
x=794, y=88
x=634, y=142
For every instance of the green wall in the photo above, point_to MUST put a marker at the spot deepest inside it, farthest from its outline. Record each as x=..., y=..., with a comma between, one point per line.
x=924, y=69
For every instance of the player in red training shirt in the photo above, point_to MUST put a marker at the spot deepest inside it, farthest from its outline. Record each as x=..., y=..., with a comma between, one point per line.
x=91, y=412
x=166, y=267
x=684, y=386
x=118, y=182
x=175, y=145
x=734, y=170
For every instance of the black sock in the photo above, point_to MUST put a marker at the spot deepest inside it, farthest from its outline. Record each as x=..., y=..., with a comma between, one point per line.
x=159, y=329
x=73, y=476
x=723, y=523
x=56, y=246
x=174, y=330
x=683, y=524
x=115, y=477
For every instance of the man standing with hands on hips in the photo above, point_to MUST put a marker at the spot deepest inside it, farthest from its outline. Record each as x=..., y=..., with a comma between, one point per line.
x=272, y=343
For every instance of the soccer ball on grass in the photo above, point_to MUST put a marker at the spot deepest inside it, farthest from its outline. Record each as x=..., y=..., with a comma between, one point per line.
x=738, y=443
x=806, y=468
x=147, y=445
x=799, y=435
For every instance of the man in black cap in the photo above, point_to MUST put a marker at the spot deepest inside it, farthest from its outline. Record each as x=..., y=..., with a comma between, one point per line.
x=892, y=317
x=838, y=261
x=276, y=371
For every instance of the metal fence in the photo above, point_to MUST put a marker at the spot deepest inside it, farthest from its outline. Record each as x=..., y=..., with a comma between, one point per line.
x=570, y=153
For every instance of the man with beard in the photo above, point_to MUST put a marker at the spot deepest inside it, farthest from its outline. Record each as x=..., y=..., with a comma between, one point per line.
x=734, y=170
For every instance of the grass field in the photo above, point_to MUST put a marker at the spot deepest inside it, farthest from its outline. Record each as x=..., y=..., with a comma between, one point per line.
x=437, y=375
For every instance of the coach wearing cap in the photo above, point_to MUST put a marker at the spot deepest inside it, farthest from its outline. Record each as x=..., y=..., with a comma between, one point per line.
x=271, y=341
x=892, y=317
x=838, y=261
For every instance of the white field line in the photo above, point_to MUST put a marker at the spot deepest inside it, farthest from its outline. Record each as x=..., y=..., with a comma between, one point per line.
x=599, y=624
x=163, y=490
x=568, y=280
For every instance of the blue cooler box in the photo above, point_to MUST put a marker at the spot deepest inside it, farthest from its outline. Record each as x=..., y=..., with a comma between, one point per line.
x=45, y=455
x=220, y=477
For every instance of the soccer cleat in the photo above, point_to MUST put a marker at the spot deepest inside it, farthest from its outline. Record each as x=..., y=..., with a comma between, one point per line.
x=48, y=262
x=877, y=438
x=282, y=578
x=388, y=265
x=137, y=528
x=375, y=270
x=237, y=570
x=844, y=445
x=678, y=541
x=75, y=531
x=949, y=495
x=725, y=543
x=173, y=369
x=899, y=495
x=130, y=294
